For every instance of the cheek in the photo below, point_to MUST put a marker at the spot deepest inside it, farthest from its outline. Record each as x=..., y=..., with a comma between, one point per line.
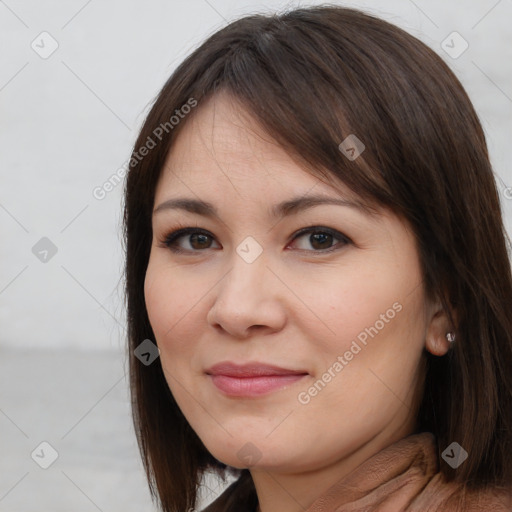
x=378, y=306
x=168, y=303
x=157, y=293
x=375, y=325
x=175, y=302
x=347, y=302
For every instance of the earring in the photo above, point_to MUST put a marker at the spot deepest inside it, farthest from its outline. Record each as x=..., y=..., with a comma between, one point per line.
x=450, y=336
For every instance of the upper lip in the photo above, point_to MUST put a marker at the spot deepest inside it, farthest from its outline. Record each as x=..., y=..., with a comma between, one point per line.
x=251, y=369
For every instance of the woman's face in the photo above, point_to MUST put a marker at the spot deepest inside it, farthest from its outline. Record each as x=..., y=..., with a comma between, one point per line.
x=341, y=307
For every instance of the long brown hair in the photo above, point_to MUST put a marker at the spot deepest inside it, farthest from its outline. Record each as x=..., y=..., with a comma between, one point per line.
x=311, y=77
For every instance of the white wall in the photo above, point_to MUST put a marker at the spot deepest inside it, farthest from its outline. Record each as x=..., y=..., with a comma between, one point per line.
x=67, y=123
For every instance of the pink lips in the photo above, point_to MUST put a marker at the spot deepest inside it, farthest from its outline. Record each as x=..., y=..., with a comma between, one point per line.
x=252, y=379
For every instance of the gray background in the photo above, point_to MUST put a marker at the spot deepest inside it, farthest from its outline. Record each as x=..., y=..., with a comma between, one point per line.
x=67, y=123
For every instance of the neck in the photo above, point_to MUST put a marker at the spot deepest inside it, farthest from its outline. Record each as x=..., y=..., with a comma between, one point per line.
x=296, y=492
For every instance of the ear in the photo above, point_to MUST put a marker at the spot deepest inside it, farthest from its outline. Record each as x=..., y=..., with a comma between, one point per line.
x=437, y=327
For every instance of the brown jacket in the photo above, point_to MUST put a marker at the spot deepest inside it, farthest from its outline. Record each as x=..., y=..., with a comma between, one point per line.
x=403, y=477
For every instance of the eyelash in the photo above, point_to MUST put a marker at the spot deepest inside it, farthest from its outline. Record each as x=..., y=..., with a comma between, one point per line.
x=170, y=240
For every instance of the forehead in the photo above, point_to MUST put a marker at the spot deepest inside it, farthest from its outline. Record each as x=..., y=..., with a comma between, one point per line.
x=223, y=148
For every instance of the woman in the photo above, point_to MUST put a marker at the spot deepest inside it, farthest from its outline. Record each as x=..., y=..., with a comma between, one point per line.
x=315, y=244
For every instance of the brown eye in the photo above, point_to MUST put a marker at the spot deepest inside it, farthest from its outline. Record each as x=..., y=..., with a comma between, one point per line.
x=318, y=239
x=321, y=239
x=198, y=240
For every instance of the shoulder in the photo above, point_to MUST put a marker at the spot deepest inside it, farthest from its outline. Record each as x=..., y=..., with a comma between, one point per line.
x=488, y=500
x=452, y=497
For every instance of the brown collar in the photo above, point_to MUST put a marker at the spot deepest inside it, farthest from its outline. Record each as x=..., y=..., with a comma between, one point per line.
x=403, y=477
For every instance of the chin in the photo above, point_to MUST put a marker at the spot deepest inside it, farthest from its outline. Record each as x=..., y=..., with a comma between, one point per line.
x=242, y=453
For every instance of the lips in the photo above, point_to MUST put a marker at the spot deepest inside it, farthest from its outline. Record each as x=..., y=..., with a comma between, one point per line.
x=252, y=379
x=249, y=370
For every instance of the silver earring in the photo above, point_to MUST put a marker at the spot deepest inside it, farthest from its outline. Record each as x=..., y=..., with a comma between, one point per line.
x=450, y=336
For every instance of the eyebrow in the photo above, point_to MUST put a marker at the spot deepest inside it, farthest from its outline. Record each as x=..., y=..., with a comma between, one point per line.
x=280, y=210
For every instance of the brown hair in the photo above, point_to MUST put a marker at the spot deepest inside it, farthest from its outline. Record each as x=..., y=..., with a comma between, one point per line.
x=311, y=77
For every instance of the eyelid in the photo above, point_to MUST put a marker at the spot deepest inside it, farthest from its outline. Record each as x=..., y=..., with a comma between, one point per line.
x=321, y=229
x=181, y=231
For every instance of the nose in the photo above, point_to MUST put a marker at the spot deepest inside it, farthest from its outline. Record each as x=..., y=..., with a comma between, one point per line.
x=249, y=298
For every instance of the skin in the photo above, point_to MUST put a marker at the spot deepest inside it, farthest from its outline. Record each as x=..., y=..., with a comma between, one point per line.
x=295, y=306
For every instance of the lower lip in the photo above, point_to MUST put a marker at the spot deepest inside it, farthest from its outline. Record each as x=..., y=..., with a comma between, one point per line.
x=253, y=386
